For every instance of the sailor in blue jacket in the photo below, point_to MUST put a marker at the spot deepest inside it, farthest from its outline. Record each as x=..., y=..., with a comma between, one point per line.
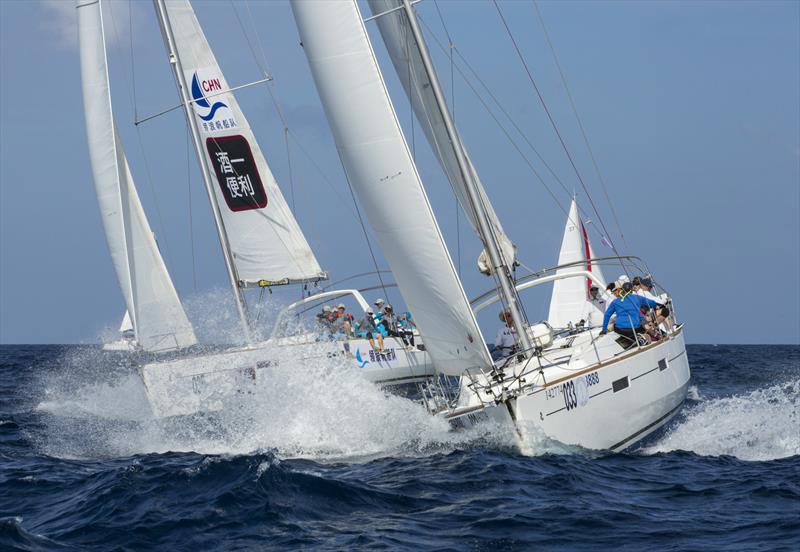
x=627, y=307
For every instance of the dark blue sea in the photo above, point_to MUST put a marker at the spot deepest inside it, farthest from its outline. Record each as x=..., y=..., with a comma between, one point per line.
x=322, y=461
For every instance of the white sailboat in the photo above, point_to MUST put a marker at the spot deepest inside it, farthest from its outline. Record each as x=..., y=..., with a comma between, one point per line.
x=126, y=340
x=261, y=241
x=581, y=388
x=156, y=315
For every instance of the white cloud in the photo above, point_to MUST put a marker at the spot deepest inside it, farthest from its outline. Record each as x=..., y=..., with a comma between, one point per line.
x=60, y=21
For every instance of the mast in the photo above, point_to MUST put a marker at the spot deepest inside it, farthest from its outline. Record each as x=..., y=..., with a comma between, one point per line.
x=183, y=89
x=488, y=237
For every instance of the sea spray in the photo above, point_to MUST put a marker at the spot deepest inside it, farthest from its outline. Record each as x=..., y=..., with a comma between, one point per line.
x=759, y=425
x=325, y=410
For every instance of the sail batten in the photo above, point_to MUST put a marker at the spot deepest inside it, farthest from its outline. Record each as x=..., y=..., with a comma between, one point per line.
x=382, y=173
x=267, y=246
x=156, y=314
x=407, y=61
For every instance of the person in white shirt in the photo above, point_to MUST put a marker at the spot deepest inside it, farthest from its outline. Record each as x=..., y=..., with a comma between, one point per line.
x=595, y=307
x=506, y=339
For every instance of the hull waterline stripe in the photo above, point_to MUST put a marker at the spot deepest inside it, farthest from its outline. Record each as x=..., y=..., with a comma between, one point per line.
x=645, y=428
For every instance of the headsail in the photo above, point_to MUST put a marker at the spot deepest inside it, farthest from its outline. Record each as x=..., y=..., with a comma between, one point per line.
x=383, y=175
x=157, y=315
x=266, y=242
x=570, y=299
x=407, y=61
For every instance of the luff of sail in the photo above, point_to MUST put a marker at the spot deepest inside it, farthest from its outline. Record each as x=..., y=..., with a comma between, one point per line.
x=383, y=175
x=569, y=301
x=266, y=242
x=158, y=318
x=404, y=53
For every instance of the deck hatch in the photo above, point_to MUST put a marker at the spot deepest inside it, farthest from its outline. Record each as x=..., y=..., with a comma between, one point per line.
x=620, y=384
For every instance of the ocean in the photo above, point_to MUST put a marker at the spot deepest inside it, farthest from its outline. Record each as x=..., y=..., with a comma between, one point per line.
x=322, y=460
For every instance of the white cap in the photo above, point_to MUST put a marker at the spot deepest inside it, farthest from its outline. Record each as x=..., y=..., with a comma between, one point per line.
x=326, y=308
x=379, y=301
x=623, y=278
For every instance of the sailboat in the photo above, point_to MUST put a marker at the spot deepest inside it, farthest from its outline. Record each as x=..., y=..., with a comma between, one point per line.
x=571, y=384
x=126, y=340
x=262, y=243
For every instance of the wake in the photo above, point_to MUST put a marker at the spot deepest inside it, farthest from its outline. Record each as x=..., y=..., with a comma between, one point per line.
x=760, y=425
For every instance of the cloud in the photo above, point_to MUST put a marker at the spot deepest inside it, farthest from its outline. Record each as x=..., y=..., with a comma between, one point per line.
x=60, y=21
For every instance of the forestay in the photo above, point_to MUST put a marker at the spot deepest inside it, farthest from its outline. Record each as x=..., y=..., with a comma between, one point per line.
x=382, y=173
x=404, y=53
x=158, y=318
x=570, y=299
x=266, y=242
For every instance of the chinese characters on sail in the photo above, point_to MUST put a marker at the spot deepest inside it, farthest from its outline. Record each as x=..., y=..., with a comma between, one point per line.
x=236, y=172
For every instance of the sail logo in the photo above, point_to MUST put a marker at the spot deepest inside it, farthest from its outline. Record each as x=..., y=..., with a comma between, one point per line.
x=361, y=362
x=211, y=104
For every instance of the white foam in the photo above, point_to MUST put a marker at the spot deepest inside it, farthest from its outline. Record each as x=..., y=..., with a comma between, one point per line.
x=760, y=425
x=325, y=411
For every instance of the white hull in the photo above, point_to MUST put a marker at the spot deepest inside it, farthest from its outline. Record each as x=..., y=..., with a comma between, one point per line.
x=126, y=345
x=203, y=382
x=606, y=406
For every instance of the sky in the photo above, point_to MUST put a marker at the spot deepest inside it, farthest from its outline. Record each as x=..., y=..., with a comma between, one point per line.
x=692, y=110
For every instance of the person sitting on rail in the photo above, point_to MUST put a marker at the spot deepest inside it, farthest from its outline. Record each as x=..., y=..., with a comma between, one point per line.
x=406, y=324
x=341, y=325
x=661, y=314
x=391, y=322
x=325, y=318
x=368, y=329
x=627, y=307
x=505, y=342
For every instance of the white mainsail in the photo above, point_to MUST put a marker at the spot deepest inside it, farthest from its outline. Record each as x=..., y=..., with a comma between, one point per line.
x=266, y=242
x=380, y=169
x=158, y=318
x=570, y=299
x=407, y=60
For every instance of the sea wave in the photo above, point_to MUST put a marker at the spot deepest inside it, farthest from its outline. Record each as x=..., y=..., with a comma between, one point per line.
x=758, y=425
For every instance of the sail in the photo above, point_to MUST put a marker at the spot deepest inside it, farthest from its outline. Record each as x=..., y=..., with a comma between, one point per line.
x=126, y=325
x=156, y=312
x=266, y=242
x=407, y=61
x=570, y=299
x=383, y=175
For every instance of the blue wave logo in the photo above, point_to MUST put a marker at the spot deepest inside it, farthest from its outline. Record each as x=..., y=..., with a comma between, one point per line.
x=360, y=360
x=200, y=99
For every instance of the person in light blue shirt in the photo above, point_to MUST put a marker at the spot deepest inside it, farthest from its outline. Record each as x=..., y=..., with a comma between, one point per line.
x=628, y=308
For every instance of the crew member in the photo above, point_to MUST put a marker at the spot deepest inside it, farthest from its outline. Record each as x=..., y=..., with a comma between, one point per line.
x=505, y=342
x=627, y=307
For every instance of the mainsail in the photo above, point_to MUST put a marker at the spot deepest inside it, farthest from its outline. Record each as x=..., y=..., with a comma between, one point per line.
x=383, y=175
x=406, y=58
x=570, y=299
x=156, y=312
x=266, y=242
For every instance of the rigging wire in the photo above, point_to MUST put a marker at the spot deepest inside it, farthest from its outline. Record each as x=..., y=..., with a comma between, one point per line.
x=451, y=46
x=189, y=196
x=499, y=124
x=580, y=123
x=287, y=133
x=553, y=123
x=132, y=86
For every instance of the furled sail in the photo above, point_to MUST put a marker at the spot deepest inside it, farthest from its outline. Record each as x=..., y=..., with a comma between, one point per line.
x=158, y=318
x=383, y=175
x=570, y=299
x=266, y=242
x=407, y=61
